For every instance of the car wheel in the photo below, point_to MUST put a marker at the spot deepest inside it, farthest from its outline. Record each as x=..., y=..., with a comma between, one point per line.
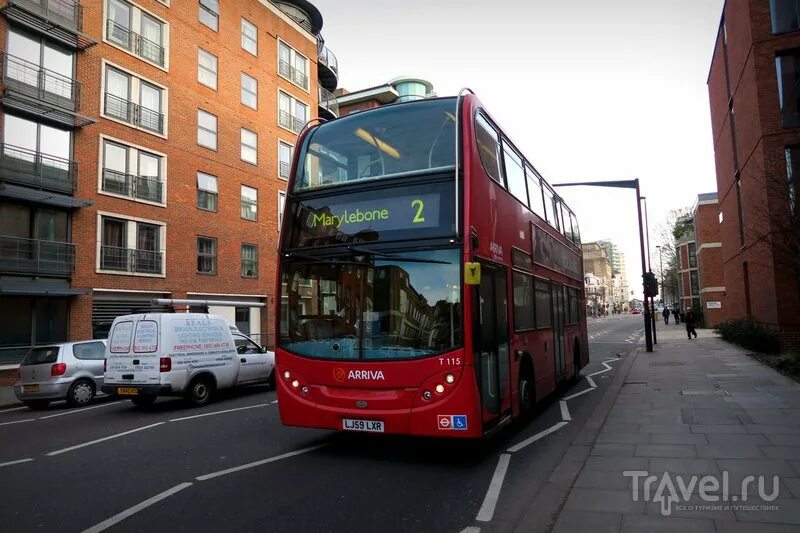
x=37, y=404
x=200, y=391
x=80, y=393
x=143, y=401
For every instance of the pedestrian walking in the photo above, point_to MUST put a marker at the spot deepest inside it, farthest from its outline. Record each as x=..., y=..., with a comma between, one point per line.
x=677, y=315
x=666, y=315
x=689, y=319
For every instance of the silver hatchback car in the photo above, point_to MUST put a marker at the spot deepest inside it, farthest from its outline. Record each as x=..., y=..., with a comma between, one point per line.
x=71, y=371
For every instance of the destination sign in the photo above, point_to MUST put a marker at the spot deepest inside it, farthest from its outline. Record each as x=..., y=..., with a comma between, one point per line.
x=405, y=212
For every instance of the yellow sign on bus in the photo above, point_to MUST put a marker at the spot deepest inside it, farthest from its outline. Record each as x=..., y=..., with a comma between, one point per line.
x=472, y=273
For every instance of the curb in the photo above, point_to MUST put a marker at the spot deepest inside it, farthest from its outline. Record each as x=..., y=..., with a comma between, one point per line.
x=546, y=506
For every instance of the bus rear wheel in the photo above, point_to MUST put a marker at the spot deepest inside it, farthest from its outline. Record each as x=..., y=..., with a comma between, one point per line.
x=527, y=390
x=576, y=363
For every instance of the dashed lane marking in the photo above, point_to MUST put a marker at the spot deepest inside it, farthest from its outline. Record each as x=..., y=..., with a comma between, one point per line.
x=117, y=518
x=530, y=440
x=486, y=511
x=259, y=463
x=14, y=409
x=77, y=446
x=219, y=412
x=565, y=416
x=72, y=412
x=591, y=382
x=17, y=422
x=18, y=461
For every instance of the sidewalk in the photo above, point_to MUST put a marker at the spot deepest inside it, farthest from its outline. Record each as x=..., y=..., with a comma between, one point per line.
x=691, y=408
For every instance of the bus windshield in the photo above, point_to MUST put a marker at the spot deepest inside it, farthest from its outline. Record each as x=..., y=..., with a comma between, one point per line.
x=395, y=140
x=402, y=306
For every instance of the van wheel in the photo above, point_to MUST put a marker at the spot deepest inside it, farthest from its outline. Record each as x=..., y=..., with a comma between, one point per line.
x=199, y=392
x=80, y=393
x=37, y=404
x=143, y=401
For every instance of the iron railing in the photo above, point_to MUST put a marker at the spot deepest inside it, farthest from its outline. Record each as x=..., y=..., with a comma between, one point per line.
x=132, y=113
x=31, y=168
x=135, y=43
x=40, y=83
x=68, y=13
x=141, y=187
x=287, y=120
x=119, y=259
x=326, y=58
x=328, y=101
x=293, y=74
x=284, y=169
x=36, y=256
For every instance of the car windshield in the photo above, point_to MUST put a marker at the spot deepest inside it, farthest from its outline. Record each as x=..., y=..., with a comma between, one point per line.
x=41, y=356
x=398, y=306
x=395, y=140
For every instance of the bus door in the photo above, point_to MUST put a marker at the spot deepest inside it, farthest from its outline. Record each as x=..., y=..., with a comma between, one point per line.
x=559, y=317
x=490, y=327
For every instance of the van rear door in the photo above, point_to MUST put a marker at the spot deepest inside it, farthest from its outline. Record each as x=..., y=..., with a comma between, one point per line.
x=133, y=351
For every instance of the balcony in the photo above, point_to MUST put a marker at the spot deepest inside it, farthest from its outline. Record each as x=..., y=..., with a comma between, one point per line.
x=118, y=259
x=290, y=122
x=41, y=92
x=133, y=114
x=58, y=20
x=327, y=68
x=36, y=169
x=328, y=105
x=36, y=257
x=295, y=75
x=132, y=186
x=135, y=43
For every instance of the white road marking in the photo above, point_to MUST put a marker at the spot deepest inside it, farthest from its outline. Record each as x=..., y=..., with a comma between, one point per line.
x=611, y=360
x=486, y=511
x=78, y=410
x=274, y=401
x=218, y=412
x=607, y=368
x=591, y=382
x=471, y=529
x=9, y=463
x=117, y=518
x=531, y=440
x=14, y=409
x=564, y=411
x=581, y=393
x=17, y=422
x=259, y=463
x=65, y=450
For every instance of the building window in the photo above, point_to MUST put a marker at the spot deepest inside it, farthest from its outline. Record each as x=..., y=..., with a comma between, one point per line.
x=793, y=177
x=206, y=191
x=209, y=14
x=45, y=69
x=133, y=100
x=249, y=146
x=284, y=159
x=207, y=68
x=130, y=172
x=119, y=254
x=249, y=91
x=136, y=31
x=292, y=113
x=292, y=65
x=249, y=37
x=206, y=129
x=281, y=207
x=785, y=15
x=249, y=203
x=37, y=154
x=695, y=282
x=692, y=252
x=249, y=261
x=788, y=67
x=206, y=255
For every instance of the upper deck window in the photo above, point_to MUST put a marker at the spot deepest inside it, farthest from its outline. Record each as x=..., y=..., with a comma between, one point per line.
x=488, y=148
x=387, y=142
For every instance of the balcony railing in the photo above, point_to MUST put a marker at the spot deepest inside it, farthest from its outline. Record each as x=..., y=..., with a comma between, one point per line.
x=135, y=43
x=67, y=13
x=30, y=168
x=119, y=259
x=134, y=114
x=295, y=75
x=141, y=187
x=328, y=102
x=284, y=169
x=36, y=257
x=44, y=85
x=326, y=58
x=287, y=120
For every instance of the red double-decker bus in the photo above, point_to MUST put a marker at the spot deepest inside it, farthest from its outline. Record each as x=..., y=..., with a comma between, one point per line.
x=423, y=290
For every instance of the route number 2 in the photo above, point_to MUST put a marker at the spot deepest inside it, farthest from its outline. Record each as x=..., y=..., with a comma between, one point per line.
x=418, y=218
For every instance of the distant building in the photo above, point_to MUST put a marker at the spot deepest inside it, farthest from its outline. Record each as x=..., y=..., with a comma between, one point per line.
x=401, y=89
x=754, y=93
x=621, y=291
x=596, y=265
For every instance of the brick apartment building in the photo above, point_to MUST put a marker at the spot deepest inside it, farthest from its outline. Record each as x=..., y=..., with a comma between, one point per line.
x=400, y=89
x=754, y=89
x=146, y=147
x=700, y=273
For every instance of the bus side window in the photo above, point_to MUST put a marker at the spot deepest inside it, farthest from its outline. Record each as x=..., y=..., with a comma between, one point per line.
x=535, y=192
x=515, y=175
x=488, y=148
x=549, y=205
x=543, y=304
x=576, y=233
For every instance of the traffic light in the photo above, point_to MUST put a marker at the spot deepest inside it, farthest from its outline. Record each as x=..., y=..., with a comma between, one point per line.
x=650, y=285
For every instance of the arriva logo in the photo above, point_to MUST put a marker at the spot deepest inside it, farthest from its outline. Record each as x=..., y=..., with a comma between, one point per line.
x=339, y=374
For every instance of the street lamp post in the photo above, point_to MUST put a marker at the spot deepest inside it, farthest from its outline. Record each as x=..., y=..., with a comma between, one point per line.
x=661, y=272
x=650, y=270
x=628, y=184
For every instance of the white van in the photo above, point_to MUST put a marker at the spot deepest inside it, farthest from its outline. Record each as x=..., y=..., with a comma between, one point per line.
x=180, y=354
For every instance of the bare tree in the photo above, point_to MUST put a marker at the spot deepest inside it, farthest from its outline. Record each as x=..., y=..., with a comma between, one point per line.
x=668, y=231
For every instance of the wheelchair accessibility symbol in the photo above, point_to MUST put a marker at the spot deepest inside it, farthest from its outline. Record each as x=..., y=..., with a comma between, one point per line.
x=452, y=422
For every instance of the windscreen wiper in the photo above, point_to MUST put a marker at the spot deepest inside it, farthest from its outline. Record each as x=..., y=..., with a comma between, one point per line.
x=388, y=257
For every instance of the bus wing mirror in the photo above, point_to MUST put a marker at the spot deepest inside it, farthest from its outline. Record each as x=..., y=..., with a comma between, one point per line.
x=472, y=273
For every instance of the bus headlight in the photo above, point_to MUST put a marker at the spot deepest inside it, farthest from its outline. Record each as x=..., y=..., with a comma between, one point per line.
x=286, y=374
x=439, y=388
x=295, y=384
x=450, y=379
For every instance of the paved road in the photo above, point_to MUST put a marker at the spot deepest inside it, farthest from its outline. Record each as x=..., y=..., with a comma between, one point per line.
x=114, y=466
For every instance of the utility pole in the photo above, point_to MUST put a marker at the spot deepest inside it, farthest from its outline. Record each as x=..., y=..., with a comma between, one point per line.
x=650, y=270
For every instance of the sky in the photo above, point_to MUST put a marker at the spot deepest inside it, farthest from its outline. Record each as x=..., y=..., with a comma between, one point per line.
x=587, y=89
